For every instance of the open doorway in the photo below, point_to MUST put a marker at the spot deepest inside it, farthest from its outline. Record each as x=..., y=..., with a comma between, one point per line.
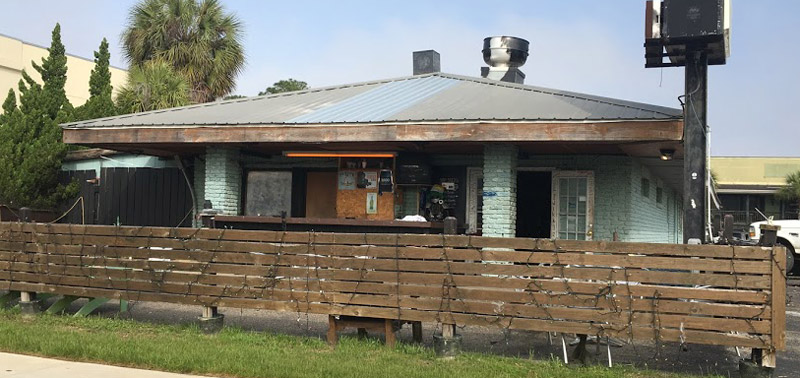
x=534, y=208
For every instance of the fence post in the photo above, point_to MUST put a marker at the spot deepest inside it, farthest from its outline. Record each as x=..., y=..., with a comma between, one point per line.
x=211, y=321
x=28, y=303
x=448, y=343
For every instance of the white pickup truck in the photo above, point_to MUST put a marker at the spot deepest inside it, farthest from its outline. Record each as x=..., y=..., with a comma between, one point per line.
x=788, y=236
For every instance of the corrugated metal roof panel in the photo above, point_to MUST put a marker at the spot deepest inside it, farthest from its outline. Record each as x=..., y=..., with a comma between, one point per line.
x=432, y=97
x=379, y=103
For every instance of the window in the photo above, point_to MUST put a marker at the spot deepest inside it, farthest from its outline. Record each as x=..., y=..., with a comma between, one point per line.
x=659, y=195
x=645, y=187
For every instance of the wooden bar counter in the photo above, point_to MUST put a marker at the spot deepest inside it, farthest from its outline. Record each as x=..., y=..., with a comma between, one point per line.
x=325, y=225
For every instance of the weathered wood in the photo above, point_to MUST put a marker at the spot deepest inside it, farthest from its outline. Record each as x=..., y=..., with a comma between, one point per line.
x=779, y=299
x=478, y=245
x=668, y=130
x=267, y=262
x=625, y=290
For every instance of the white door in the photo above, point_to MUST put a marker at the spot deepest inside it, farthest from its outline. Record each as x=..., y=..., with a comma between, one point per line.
x=573, y=205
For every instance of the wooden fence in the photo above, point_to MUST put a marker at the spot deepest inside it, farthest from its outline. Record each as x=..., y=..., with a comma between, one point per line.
x=720, y=295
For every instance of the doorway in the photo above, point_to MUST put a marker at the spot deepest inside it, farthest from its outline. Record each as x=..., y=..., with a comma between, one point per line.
x=534, y=206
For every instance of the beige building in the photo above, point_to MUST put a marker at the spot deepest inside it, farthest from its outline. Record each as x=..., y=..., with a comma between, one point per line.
x=745, y=184
x=16, y=55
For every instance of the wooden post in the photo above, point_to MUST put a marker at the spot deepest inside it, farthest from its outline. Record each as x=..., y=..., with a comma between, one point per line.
x=333, y=336
x=768, y=357
x=389, y=331
x=28, y=304
x=416, y=331
x=448, y=344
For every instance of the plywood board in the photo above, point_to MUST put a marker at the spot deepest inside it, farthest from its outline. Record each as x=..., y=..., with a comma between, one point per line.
x=353, y=203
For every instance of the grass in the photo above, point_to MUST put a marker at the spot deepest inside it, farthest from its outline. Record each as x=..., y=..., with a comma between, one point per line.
x=238, y=353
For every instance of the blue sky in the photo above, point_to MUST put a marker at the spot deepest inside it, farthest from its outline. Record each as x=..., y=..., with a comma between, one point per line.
x=587, y=46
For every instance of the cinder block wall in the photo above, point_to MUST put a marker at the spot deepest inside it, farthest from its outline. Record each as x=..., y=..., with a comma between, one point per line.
x=619, y=204
x=653, y=221
x=223, y=179
x=500, y=190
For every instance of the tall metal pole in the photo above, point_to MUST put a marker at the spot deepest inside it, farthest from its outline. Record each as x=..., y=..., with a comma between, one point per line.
x=694, y=161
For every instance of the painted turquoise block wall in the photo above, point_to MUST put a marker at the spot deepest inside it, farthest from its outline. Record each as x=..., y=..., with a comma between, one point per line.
x=223, y=179
x=619, y=204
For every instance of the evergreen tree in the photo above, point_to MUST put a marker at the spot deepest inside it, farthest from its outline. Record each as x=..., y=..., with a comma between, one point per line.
x=100, y=103
x=31, y=151
x=9, y=105
x=54, y=75
x=289, y=85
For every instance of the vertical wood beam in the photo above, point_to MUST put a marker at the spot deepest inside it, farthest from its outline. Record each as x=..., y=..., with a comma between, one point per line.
x=695, y=145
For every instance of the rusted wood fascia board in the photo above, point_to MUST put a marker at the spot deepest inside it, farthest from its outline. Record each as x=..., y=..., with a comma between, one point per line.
x=623, y=131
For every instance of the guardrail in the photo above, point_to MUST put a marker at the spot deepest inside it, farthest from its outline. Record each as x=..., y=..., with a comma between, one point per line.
x=703, y=294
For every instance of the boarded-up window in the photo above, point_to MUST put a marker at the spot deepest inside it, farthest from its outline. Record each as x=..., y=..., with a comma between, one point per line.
x=269, y=193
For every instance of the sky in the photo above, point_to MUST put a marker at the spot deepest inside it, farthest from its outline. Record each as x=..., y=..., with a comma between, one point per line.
x=588, y=46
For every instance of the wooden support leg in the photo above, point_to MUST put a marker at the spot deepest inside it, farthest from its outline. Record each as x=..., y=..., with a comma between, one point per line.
x=581, y=354
x=769, y=358
x=448, y=331
x=389, y=330
x=333, y=337
x=28, y=303
x=26, y=296
x=210, y=312
x=416, y=331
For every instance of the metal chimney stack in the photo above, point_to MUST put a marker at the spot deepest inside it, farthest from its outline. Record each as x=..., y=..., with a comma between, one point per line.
x=504, y=55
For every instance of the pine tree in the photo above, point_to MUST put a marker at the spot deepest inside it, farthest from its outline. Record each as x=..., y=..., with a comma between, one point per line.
x=54, y=74
x=31, y=151
x=9, y=105
x=100, y=103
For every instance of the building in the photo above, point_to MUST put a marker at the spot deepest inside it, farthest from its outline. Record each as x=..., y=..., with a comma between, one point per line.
x=745, y=184
x=504, y=158
x=16, y=55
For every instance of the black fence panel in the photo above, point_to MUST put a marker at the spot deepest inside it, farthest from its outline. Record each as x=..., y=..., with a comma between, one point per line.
x=144, y=197
x=85, y=211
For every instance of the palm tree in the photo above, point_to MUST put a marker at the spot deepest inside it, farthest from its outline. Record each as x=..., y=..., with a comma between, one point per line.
x=791, y=192
x=153, y=85
x=197, y=37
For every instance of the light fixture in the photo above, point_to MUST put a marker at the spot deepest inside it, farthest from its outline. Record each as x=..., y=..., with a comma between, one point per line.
x=667, y=153
x=309, y=154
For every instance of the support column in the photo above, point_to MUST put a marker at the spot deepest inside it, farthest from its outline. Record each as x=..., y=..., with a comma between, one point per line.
x=223, y=179
x=500, y=190
x=29, y=304
x=695, y=146
x=448, y=343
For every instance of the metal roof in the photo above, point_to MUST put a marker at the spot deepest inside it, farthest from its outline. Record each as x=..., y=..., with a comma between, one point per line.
x=433, y=97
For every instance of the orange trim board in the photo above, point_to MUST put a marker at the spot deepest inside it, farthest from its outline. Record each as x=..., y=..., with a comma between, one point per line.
x=340, y=154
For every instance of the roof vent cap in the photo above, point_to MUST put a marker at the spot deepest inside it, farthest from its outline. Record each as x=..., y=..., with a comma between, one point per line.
x=505, y=51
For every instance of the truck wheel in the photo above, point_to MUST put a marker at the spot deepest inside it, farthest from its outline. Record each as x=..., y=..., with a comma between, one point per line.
x=789, y=256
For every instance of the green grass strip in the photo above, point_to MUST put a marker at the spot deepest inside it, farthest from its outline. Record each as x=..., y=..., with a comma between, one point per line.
x=238, y=353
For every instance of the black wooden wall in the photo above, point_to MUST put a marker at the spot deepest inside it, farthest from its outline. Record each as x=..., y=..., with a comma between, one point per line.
x=134, y=197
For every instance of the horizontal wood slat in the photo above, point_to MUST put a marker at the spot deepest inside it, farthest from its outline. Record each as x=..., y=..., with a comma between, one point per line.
x=718, y=295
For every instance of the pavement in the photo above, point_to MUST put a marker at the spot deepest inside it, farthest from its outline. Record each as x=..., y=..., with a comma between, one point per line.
x=19, y=366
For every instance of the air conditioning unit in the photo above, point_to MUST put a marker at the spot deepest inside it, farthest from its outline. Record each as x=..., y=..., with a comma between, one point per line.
x=672, y=25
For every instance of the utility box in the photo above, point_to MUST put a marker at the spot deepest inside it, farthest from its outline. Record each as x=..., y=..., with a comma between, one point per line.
x=692, y=19
x=673, y=25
